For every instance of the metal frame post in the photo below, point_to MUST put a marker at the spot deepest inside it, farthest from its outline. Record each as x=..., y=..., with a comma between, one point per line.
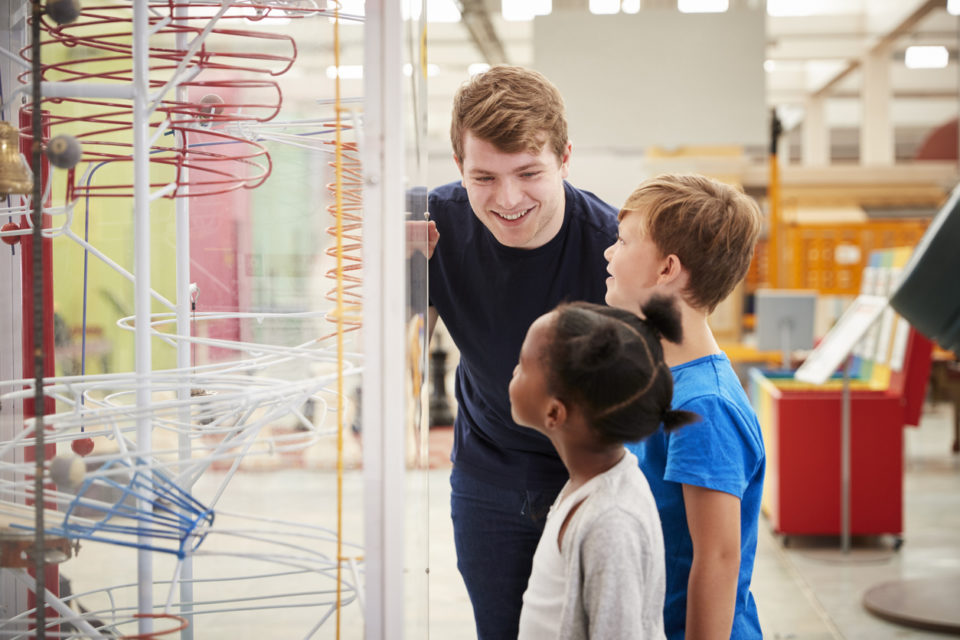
x=384, y=303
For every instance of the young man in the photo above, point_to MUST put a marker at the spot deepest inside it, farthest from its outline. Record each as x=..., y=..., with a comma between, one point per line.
x=514, y=241
x=692, y=238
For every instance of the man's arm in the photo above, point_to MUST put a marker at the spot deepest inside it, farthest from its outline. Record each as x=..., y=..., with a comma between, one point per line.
x=714, y=521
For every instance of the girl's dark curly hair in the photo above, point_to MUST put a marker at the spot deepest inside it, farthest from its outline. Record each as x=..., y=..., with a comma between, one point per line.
x=609, y=364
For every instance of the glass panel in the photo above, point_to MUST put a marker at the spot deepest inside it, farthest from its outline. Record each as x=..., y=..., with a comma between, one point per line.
x=417, y=526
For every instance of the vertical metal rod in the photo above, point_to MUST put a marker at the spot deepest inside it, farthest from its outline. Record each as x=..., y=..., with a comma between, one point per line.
x=785, y=350
x=845, y=460
x=184, y=302
x=384, y=329
x=141, y=293
x=340, y=307
x=773, y=196
x=36, y=157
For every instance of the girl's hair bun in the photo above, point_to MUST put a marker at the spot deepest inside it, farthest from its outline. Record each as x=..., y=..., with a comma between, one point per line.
x=672, y=419
x=663, y=317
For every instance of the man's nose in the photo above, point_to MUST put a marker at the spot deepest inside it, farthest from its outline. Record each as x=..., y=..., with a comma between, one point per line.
x=509, y=195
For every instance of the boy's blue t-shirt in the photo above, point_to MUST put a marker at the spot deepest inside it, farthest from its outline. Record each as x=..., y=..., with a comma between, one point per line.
x=723, y=452
x=487, y=295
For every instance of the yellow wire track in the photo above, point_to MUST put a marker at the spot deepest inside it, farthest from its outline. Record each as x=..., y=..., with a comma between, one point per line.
x=338, y=155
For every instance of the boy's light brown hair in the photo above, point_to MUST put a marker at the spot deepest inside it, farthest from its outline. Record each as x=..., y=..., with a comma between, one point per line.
x=513, y=108
x=712, y=227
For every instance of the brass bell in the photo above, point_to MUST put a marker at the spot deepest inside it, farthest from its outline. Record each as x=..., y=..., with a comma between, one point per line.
x=14, y=177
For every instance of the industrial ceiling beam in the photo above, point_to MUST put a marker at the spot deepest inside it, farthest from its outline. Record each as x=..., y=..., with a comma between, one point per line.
x=904, y=28
x=476, y=18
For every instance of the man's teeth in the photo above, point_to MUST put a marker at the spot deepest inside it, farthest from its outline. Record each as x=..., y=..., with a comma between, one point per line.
x=514, y=216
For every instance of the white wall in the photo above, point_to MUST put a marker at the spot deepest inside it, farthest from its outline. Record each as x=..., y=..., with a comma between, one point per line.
x=659, y=77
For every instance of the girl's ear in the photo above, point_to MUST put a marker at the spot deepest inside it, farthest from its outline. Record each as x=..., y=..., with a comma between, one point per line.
x=556, y=414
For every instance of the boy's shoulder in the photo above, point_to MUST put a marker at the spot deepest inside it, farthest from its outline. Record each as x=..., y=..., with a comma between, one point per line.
x=704, y=376
x=709, y=384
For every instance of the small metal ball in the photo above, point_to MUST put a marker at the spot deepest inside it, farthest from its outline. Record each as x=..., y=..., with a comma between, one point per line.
x=63, y=11
x=211, y=104
x=64, y=151
x=82, y=446
x=10, y=226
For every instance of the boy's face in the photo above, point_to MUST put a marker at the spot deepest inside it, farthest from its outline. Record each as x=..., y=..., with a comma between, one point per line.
x=529, y=398
x=634, y=265
x=517, y=196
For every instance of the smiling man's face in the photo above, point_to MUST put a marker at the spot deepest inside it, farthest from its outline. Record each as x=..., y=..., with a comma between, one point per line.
x=517, y=196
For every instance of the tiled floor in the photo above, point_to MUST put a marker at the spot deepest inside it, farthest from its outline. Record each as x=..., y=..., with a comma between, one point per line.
x=804, y=592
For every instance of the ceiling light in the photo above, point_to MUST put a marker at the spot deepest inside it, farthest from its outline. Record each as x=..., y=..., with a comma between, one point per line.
x=935, y=57
x=953, y=7
x=478, y=67
x=347, y=71
x=442, y=11
x=630, y=6
x=522, y=11
x=432, y=69
x=601, y=7
x=788, y=8
x=769, y=66
x=703, y=6
x=347, y=7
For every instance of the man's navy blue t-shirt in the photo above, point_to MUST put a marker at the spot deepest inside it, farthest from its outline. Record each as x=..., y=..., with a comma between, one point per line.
x=488, y=295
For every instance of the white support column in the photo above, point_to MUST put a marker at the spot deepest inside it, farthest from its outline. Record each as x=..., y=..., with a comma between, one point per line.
x=13, y=37
x=815, y=144
x=184, y=300
x=876, y=129
x=141, y=288
x=384, y=308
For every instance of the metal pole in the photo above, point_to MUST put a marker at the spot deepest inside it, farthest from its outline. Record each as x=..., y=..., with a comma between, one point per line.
x=384, y=310
x=773, y=196
x=845, y=460
x=141, y=291
x=39, y=562
x=785, y=350
x=184, y=304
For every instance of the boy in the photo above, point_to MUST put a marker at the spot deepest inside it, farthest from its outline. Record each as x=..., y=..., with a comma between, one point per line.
x=515, y=239
x=692, y=238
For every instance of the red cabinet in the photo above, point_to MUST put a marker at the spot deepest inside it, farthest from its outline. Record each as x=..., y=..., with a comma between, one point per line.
x=802, y=434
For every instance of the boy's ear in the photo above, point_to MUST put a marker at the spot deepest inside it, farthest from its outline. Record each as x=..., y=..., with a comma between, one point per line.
x=556, y=414
x=670, y=269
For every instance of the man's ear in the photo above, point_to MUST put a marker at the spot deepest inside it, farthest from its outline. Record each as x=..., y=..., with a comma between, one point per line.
x=456, y=161
x=565, y=161
x=556, y=414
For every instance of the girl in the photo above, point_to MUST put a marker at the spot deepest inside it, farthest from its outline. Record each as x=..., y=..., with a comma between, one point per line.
x=591, y=378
